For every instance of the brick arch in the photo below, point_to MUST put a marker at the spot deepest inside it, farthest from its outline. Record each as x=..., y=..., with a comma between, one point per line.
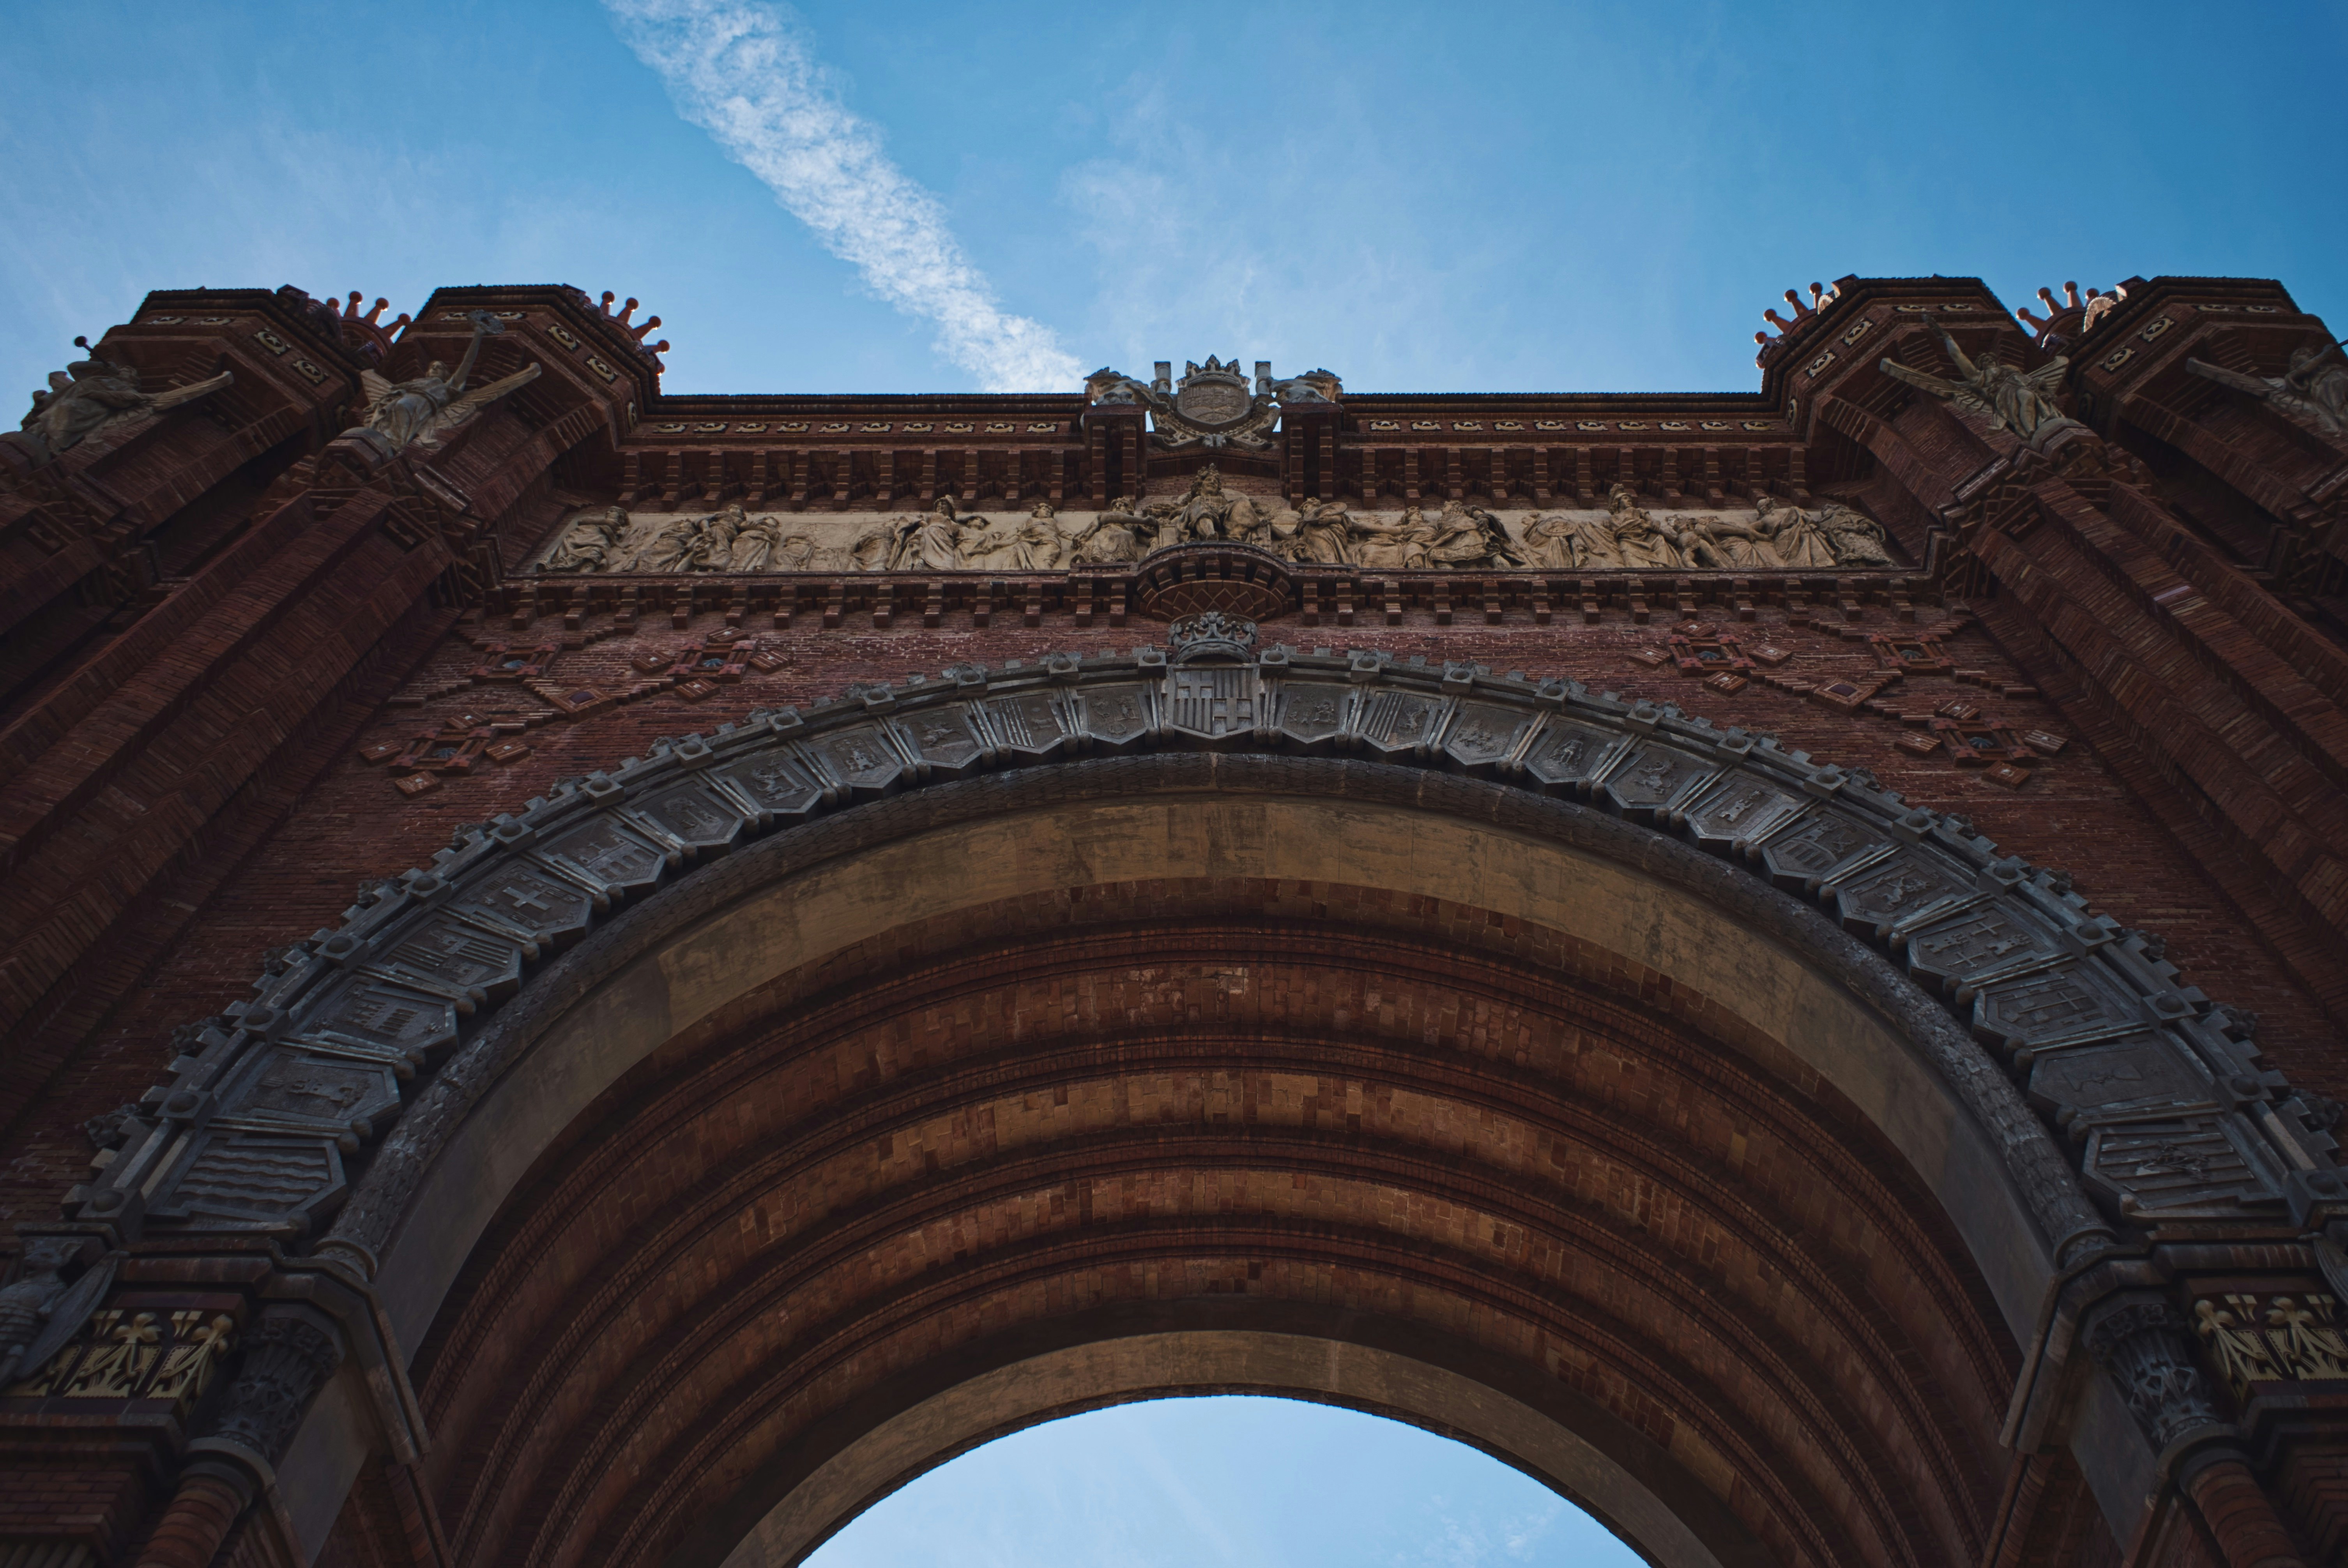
x=1413, y=1162
x=1467, y=801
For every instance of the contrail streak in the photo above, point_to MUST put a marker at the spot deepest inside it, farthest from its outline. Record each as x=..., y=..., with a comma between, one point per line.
x=736, y=71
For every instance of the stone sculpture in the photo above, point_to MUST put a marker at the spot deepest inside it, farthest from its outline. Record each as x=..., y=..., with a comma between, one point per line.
x=1727, y=546
x=424, y=411
x=1795, y=535
x=1396, y=547
x=712, y=546
x=1469, y=537
x=930, y=542
x=1119, y=533
x=1639, y=539
x=587, y=544
x=670, y=548
x=1037, y=544
x=1323, y=535
x=90, y=396
x=2314, y=390
x=39, y=1311
x=1857, y=539
x=1201, y=514
x=2010, y=399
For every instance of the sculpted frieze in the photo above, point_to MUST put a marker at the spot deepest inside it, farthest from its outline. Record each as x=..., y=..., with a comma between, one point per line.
x=1771, y=535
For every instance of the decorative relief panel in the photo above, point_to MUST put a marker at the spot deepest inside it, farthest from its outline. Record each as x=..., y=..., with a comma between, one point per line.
x=2256, y=1338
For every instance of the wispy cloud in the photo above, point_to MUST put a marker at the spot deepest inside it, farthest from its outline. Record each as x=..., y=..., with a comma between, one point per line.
x=741, y=71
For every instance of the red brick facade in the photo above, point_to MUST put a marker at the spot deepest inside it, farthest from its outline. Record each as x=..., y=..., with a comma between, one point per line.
x=248, y=670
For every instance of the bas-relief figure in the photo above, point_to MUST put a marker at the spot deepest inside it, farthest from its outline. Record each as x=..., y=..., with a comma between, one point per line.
x=1639, y=539
x=589, y=543
x=1117, y=535
x=1567, y=543
x=1462, y=536
x=1467, y=538
x=2011, y=399
x=1395, y=547
x=425, y=410
x=90, y=396
x=2312, y=389
x=931, y=542
x=1857, y=539
x=1323, y=535
x=1799, y=542
x=1726, y=545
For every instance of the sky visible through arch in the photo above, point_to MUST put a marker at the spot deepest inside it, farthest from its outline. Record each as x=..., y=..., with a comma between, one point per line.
x=1438, y=197
x=1225, y=1482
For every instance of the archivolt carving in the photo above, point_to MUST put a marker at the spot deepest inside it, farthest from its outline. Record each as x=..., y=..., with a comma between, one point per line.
x=2160, y=1093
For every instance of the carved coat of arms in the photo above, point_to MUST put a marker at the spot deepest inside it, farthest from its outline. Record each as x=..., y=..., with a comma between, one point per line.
x=1214, y=404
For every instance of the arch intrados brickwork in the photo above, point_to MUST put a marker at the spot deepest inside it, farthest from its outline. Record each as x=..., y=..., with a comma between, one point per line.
x=1945, y=1423
x=473, y=1128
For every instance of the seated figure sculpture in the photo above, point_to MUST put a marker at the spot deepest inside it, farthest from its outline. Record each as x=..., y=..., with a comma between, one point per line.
x=1639, y=539
x=590, y=544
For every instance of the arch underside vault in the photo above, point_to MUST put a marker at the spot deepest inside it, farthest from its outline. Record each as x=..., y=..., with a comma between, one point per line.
x=1381, y=1035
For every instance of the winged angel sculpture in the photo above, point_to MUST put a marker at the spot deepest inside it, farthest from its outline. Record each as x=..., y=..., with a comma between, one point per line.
x=2012, y=400
x=2314, y=390
x=91, y=395
x=424, y=411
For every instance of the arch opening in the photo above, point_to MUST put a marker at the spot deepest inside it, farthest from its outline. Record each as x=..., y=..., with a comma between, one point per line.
x=1243, y=1478
x=1423, y=1042
x=1213, y=1088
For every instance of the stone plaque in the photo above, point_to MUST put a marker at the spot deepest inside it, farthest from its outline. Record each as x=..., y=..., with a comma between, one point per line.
x=1888, y=892
x=258, y=1179
x=1652, y=777
x=2049, y=1005
x=448, y=956
x=1483, y=734
x=2172, y=1167
x=608, y=856
x=373, y=1015
x=1568, y=754
x=1402, y=720
x=2145, y=1072
x=1948, y=952
x=1312, y=713
x=773, y=784
x=1814, y=847
x=944, y=738
x=554, y=911
x=291, y=1085
x=1029, y=726
x=1116, y=717
x=694, y=817
x=1738, y=812
x=1213, y=700
x=861, y=759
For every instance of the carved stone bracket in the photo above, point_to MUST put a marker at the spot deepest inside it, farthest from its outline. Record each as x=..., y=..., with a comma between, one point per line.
x=2140, y=1341
x=1238, y=579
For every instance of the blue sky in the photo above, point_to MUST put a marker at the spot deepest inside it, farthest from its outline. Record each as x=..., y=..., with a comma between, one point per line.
x=1227, y=1482
x=1432, y=198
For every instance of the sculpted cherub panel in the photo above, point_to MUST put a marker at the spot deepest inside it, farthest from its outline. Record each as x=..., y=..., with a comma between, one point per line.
x=1772, y=535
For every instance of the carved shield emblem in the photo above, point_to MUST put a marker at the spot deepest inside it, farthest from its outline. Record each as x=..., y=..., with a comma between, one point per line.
x=1213, y=399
